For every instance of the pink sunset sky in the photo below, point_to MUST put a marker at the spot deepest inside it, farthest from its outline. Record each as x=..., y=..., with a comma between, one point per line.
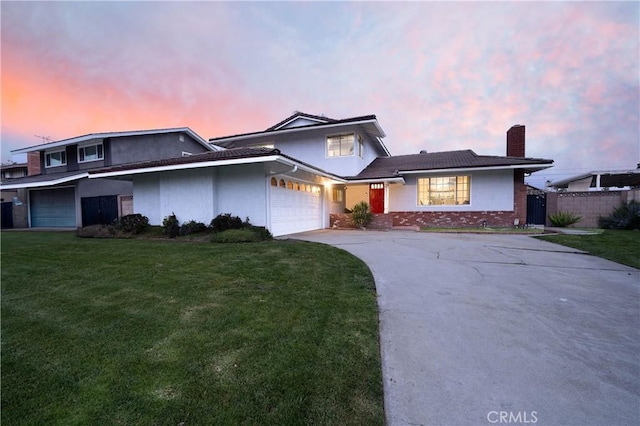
x=439, y=76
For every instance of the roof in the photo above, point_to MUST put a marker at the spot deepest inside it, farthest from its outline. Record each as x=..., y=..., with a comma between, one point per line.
x=383, y=167
x=608, y=179
x=12, y=166
x=215, y=158
x=92, y=136
x=43, y=180
x=369, y=124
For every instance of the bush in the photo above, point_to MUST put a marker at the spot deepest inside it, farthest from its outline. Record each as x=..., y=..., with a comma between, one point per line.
x=96, y=231
x=225, y=221
x=171, y=226
x=361, y=216
x=192, y=227
x=627, y=216
x=133, y=223
x=563, y=219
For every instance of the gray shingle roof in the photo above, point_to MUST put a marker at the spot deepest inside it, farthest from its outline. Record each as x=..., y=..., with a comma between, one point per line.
x=228, y=154
x=385, y=167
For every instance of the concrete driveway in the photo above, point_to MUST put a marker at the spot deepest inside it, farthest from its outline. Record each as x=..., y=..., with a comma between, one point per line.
x=501, y=329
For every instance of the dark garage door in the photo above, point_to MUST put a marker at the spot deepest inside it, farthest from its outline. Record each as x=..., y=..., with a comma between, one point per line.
x=99, y=210
x=53, y=208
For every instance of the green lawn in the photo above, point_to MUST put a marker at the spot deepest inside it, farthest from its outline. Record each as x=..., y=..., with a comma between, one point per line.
x=619, y=246
x=164, y=332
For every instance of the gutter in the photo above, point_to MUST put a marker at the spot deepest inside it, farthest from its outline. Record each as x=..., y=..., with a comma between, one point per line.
x=45, y=182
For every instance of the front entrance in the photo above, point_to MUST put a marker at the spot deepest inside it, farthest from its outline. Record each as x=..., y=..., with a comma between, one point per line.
x=376, y=197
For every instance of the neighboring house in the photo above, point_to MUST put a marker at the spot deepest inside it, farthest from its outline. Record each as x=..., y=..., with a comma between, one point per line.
x=302, y=173
x=593, y=194
x=59, y=193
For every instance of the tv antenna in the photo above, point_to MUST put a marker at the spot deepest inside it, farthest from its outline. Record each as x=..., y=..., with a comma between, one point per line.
x=45, y=139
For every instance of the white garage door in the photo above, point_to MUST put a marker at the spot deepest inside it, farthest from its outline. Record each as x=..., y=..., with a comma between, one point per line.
x=53, y=208
x=296, y=206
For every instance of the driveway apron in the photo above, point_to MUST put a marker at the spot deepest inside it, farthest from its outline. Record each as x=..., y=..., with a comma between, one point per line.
x=496, y=329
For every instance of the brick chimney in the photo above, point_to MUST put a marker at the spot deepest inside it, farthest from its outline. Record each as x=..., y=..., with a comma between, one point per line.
x=515, y=141
x=33, y=163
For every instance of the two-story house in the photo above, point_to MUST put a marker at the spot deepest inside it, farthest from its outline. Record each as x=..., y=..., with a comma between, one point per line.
x=60, y=194
x=302, y=173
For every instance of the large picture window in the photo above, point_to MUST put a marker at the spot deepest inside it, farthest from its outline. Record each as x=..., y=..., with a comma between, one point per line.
x=340, y=145
x=90, y=153
x=54, y=159
x=444, y=191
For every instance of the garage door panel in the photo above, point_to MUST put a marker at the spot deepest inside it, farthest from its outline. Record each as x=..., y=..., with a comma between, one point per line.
x=53, y=208
x=295, y=211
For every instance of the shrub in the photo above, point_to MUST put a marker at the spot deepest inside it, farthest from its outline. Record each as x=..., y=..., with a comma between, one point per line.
x=262, y=232
x=171, y=226
x=133, y=223
x=225, y=221
x=361, y=216
x=96, y=231
x=627, y=216
x=192, y=227
x=563, y=219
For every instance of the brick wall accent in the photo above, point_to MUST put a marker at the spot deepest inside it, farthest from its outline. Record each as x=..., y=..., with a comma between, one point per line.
x=589, y=205
x=343, y=220
x=33, y=163
x=454, y=219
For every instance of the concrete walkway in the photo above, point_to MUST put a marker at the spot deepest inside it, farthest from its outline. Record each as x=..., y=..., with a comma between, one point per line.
x=495, y=329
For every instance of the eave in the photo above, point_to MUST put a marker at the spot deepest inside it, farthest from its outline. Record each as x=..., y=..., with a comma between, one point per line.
x=45, y=183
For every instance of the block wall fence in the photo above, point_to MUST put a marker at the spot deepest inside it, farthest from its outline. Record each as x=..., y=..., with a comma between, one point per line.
x=589, y=205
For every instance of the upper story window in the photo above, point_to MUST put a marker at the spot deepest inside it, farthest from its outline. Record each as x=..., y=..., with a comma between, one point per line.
x=90, y=153
x=340, y=145
x=54, y=159
x=444, y=191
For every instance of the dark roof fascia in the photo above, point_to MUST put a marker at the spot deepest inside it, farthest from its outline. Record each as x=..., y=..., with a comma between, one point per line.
x=353, y=120
x=103, y=135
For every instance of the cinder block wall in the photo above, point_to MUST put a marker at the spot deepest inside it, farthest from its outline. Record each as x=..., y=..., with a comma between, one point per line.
x=589, y=205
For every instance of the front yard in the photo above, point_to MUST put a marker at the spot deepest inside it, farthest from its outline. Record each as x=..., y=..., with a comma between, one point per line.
x=165, y=332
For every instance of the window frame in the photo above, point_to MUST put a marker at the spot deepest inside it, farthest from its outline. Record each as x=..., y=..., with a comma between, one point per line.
x=421, y=192
x=360, y=146
x=99, y=151
x=48, y=156
x=351, y=150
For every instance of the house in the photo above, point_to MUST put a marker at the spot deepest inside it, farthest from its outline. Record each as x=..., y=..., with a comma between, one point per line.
x=302, y=173
x=594, y=194
x=57, y=191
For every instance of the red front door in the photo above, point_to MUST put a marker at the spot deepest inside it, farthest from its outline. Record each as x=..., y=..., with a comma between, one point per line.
x=376, y=197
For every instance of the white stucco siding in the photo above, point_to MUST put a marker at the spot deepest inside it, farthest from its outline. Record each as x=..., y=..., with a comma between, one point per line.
x=146, y=197
x=490, y=191
x=242, y=192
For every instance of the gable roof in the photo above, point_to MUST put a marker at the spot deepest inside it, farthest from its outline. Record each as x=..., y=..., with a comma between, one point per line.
x=298, y=115
x=104, y=135
x=387, y=167
x=369, y=124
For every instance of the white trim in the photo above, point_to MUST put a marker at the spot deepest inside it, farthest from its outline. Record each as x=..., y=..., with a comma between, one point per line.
x=44, y=183
x=214, y=163
x=48, y=153
x=87, y=144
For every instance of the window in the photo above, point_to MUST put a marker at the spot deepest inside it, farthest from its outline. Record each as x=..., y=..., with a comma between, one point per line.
x=274, y=181
x=53, y=159
x=282, y=184
x=289, y=185
x=360, y=146
x=338, y=195
x=340, y=145
x=444, y=191
x=90, y=153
